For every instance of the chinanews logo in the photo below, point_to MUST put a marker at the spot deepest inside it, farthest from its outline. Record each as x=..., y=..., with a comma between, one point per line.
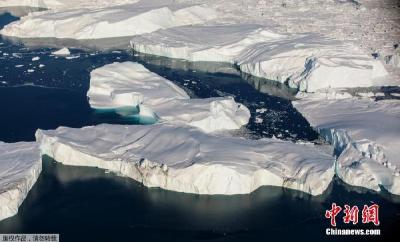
x=350, y=215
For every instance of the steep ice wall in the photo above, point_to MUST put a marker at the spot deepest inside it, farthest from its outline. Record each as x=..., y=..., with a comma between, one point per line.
x=108, y=22
x=307, y=62
x=365, y=134
x=20, y=166
x=129, y=84
x=185, y=159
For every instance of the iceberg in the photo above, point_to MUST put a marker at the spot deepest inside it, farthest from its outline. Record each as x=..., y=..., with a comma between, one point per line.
x=122, y=85
x=365, y=134
x=61, y=52
x=108, y=22
x=185, y=159
x=20, y=167
x=307, y=62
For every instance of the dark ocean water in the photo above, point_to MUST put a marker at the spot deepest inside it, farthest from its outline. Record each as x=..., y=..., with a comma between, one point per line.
x=87, y=204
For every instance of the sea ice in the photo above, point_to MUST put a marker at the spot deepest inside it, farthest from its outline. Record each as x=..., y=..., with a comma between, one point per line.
x=308, y=62
x=108, y=22
x=365, y=134
x=20, y=166
x=61, y=52
x=184, y=159
x=129, y=84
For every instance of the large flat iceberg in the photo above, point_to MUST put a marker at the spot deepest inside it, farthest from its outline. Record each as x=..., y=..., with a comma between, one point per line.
x=184, y=159
x=308, y=62
x=129, y=84
x=108, y=22
x=20, y=166
x=365, y=134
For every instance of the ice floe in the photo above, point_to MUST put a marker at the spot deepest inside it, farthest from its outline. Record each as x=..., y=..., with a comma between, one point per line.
x=365, y=134
x=129, y=84
x=20, y=166
x=61, y=52
x=184, y=159
x=308, y=62
x=112, y=21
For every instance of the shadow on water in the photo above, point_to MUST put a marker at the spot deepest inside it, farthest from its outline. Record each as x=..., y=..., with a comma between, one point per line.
x=87, y=204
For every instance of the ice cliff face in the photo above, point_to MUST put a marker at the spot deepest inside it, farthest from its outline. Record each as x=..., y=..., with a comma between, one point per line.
x=307, y=62
x=187, y=160
x=365, y=134
x=20, y=166
x=128, y=84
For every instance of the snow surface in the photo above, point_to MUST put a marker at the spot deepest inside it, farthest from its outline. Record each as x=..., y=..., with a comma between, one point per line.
x=130, y=84
x=365, y=134
x=307, y=62
x=185, y=159
x=112, y=21
x=20, y=166
x=62, y=52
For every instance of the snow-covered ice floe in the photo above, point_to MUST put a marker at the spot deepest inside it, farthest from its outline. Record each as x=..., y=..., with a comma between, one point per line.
x=307, y=62
x=185, y=159
x=20, y=166
x=108, y=22
x=365, y=134
x=129, y=84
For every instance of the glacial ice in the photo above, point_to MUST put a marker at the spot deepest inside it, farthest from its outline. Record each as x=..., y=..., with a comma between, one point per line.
x=184, y=159
x=307, y=62
x=20, y=166
x=129, y=84
x=108, y=22
x=61, y=52
x=365, y=134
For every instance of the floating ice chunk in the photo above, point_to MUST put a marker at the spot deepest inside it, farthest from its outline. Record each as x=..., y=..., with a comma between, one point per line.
x=30, y=70
x=61, y=52
x=41, y=66
x=307, y=62
x=36, y=58
x=184, y=159
x=20, y=166
x=19, y=66
x=365, y=133
x=108, y=22
x=129, y=84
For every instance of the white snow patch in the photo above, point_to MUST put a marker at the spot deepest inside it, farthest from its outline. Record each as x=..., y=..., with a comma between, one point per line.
x=20, y=166
x=185, y=159
x=129, y=84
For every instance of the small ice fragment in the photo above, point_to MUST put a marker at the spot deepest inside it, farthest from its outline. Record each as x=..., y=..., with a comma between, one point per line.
x=41, y=66
x=72, y=57
x=261, y=110
x=31, y=70
x=36, y=58
x=259, y=120
x=62, y=52
x=19, y=66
